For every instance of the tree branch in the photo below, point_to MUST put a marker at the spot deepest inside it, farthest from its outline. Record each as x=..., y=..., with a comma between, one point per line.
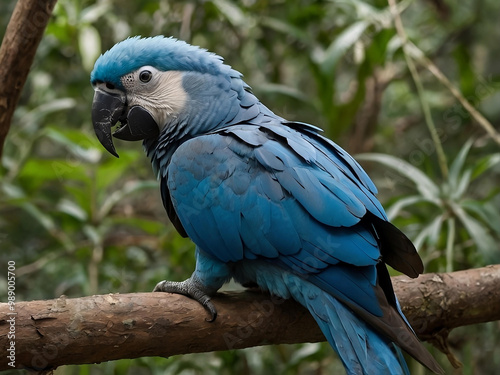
x=101, y=328
x=21, y=39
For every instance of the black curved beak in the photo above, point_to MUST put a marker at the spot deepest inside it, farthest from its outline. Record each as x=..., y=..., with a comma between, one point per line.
x=108, y=109
x=140, y=124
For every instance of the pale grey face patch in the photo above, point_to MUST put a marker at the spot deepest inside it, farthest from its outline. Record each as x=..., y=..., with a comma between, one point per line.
x=162, y=95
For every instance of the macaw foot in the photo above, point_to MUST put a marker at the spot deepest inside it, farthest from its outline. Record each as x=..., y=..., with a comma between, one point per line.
x=191, y=288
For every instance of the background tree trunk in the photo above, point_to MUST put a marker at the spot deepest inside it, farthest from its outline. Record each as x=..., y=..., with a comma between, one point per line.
x=19, y=45
x=101, y=328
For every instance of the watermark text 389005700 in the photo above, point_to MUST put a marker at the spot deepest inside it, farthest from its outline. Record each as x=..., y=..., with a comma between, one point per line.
x=11, y=319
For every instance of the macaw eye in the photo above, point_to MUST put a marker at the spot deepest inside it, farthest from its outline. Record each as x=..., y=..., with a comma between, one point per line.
x=145, y=76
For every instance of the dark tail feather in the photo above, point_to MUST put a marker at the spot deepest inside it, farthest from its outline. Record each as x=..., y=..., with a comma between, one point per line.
x=396, y=249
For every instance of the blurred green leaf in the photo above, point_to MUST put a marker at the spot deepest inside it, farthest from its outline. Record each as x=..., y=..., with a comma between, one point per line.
x=72, y=209
x=90, y=46
x=482, y=239
x=146, y=225
x=95, y=12
x=37, y=172
x=233, y=13
x=93, y=234
x=341, y=44
x=79, y=145
x=112, y=170
x=395, y=209
x=47, y=108
x=429, y=232
x=273, y=88
x=485, y=164
x=489, y=213
x=424, y=184
x=43, y=219
x=286, y=28
x=458, y=164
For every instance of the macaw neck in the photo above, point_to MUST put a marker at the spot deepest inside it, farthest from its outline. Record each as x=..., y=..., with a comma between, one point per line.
x=206, y=113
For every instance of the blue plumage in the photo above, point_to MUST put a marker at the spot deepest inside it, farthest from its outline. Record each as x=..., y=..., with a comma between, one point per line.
x=267, y=202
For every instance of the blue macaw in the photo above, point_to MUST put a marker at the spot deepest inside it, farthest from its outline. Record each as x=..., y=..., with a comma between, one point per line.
x=268, y=202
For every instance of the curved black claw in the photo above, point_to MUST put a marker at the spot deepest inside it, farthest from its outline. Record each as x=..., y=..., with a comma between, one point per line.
x=189, y=288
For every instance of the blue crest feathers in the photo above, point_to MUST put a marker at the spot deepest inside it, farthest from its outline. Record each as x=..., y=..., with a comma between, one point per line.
x=160, y=52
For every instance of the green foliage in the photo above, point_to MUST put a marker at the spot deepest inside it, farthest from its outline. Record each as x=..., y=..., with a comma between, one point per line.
x=77, y=221
x=447, y=203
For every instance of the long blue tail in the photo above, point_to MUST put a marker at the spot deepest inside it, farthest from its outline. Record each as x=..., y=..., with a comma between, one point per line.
x=368, y=341
x=361, y=349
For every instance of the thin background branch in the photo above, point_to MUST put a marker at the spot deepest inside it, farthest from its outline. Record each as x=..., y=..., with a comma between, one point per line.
x=19, y=45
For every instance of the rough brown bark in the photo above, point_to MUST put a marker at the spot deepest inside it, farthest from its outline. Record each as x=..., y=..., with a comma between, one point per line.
x=21, y=39
x=434, y=302
x=454, y=300
x=107, y=327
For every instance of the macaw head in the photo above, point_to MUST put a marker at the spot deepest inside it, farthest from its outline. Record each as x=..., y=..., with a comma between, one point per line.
x=160, y=85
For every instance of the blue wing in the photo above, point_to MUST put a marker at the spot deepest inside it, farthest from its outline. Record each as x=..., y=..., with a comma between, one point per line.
x=288, y=196
x=296, y=189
